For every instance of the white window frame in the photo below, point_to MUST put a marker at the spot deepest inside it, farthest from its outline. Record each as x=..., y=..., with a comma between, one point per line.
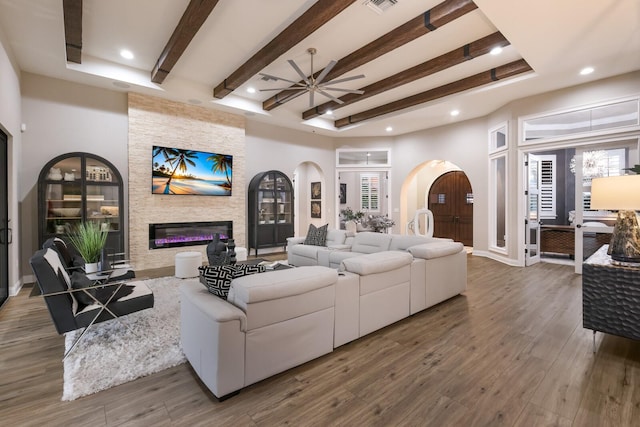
x=631, y=129
x=493, y=197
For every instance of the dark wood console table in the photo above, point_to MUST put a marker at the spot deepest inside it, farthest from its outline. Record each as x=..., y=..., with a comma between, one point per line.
x=610, y=296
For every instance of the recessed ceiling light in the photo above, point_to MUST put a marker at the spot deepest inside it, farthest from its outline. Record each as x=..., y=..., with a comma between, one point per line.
x=194, y=101
x=586, y=70
x=126, y=54
x=389, y=129
x=454, y=112
x=251, y=89
x=329, y=112
x=121, y=85
x=496, y=50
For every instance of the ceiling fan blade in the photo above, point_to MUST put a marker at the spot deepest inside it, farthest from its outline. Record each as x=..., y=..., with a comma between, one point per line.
x=326, y=70
x=358, y=91
x=299, y=71
x=294, y=96
x=346, y=79
x=284, y=88
x=270, y=77
x=331, y=97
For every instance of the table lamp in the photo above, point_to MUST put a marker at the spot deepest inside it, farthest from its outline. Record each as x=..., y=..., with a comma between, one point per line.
x=621, y=193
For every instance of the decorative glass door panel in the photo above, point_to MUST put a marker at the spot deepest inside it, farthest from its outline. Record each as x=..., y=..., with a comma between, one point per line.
x=532, y=221
x=270, y=210
x=80, y=187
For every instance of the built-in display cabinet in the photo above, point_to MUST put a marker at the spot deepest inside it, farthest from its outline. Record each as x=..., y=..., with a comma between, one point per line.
x=78, y=187
x=270, y=210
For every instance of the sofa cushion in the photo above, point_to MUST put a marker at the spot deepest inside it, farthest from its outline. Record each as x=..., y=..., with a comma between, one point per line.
x=280, y=284
x=308, y=251
x=435, y=249
x=404, y=242
x=377, y=262
x=335, y=237
x=370, y=242
x=316, y=236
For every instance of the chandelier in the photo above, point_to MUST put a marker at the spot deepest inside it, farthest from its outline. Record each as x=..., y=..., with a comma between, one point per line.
x=594, y=164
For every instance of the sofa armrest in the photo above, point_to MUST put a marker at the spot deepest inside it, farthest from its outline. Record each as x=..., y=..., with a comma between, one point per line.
x=435, y=249
x=295, y=240
x=214, y=308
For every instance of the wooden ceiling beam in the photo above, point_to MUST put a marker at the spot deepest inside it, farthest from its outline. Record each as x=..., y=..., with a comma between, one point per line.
x=486, y=77
x=457, y=56
x=72, y=12
x=195, y=14
x=430, y=20
x=316, y=16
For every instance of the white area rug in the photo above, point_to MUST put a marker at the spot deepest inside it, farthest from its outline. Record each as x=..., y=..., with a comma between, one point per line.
x=109, y=354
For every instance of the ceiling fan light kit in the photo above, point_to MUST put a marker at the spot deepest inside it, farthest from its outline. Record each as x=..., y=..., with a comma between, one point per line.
x=313, y=84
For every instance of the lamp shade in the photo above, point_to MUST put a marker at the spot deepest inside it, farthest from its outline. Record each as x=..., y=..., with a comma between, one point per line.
x=616, y=193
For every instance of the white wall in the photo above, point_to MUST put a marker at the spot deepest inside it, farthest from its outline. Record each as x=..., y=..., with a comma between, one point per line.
x=463, y=144
x=10, y=120
x=63, y=117
x=275, y=148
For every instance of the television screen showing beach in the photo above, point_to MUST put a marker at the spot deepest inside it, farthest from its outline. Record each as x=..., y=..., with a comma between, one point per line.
x=189, y=172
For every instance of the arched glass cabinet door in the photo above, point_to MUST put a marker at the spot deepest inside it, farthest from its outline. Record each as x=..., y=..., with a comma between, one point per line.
x=77, y=187
x=270, y=210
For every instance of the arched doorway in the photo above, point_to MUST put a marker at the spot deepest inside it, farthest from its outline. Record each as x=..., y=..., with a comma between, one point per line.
x=451, y=201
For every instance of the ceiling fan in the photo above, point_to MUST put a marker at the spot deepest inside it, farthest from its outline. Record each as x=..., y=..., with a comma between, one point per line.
x=313, y=85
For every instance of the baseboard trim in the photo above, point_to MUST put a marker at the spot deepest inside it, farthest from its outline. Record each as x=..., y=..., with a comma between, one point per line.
x=499, y=258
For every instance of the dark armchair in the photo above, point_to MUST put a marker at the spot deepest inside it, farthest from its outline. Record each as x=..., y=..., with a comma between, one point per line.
x=73, y=307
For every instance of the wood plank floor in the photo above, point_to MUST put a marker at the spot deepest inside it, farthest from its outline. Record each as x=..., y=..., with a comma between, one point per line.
x=510, y=352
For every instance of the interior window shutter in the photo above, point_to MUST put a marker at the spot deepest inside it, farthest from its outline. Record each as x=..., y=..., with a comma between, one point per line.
x=370, y=192
x=548, y=187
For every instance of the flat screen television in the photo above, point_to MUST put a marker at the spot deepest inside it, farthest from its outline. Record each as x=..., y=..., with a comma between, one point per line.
x=190, y=172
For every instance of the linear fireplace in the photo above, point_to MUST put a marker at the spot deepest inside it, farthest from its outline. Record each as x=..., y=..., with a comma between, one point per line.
x=174, y=234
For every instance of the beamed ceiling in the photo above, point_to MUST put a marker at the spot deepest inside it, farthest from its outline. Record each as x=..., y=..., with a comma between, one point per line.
x=421, y=58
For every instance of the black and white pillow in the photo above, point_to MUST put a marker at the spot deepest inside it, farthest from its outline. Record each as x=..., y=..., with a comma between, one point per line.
x=79, y=281
x=316, y=236
x=218, y=279
x=245, y=270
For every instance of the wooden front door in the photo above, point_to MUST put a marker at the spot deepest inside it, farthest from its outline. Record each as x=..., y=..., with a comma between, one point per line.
x=451, y=201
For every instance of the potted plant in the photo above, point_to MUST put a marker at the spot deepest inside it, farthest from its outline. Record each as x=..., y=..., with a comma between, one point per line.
x=349, y=215
x=380, y=223
x=89, y=240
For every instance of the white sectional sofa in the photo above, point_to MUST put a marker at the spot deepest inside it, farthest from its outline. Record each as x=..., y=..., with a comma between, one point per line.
x=340, y=245
x=308, y=254
x=274, y=321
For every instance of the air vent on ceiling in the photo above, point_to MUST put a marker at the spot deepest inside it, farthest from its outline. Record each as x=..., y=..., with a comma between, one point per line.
x=380, y=6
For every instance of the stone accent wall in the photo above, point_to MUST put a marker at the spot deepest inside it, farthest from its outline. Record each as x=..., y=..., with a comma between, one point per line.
x=154, y=121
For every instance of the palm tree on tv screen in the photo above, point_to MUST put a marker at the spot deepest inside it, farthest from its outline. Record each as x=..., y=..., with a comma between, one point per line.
x=182, y=158
x=221, y=163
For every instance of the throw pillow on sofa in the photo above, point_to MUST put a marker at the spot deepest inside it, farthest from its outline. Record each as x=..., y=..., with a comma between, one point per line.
x=245, y=270
x=316, y=236
x=217, y=278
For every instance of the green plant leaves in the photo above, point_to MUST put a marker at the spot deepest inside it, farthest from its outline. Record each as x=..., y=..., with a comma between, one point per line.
x=89, y=240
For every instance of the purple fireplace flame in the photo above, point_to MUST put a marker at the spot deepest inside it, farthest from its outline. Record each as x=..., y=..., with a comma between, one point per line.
x=169, y=235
